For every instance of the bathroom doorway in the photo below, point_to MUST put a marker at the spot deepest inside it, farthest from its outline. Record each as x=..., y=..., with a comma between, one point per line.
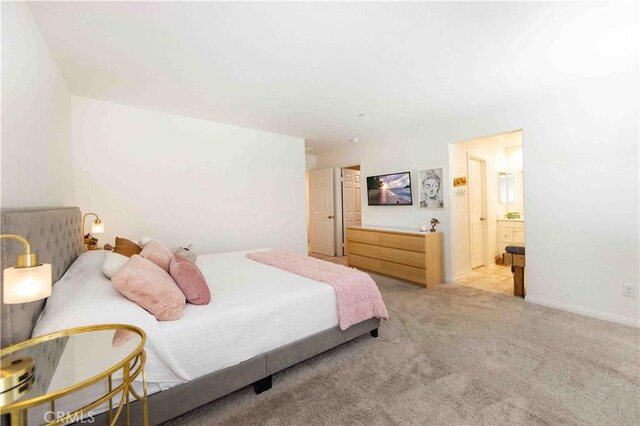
x=487, y=209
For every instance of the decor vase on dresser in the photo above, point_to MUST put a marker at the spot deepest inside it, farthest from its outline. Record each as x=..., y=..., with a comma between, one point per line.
x=398, y=252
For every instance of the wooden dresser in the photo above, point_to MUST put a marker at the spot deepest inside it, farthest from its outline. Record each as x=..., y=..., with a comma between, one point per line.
x=402, y=253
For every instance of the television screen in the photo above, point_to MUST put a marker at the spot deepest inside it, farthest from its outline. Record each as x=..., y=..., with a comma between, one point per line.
x=390, y=190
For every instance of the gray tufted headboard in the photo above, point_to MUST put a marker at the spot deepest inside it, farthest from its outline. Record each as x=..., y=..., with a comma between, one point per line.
x=55, y=234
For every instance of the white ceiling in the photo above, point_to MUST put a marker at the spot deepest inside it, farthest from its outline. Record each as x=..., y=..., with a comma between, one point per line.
x=309, y=69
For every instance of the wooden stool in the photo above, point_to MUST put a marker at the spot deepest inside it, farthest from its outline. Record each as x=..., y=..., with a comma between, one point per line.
x=515, y=256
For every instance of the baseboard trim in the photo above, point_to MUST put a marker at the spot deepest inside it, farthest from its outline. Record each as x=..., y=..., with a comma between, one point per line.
x=461, y=274
x=584, y=311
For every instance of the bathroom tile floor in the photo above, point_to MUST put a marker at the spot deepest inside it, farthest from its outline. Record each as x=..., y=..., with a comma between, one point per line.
x=494, y=278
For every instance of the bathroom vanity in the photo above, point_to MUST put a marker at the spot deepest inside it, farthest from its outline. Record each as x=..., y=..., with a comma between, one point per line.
x=510, y=232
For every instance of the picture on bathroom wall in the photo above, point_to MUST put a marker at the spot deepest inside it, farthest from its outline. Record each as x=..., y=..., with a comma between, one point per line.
x=430, y=189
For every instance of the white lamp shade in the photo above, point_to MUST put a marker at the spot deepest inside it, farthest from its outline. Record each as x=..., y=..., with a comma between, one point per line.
x=97, y=227
x=21, y=285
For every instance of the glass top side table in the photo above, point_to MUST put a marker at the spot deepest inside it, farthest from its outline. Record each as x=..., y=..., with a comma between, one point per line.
x=40, y=371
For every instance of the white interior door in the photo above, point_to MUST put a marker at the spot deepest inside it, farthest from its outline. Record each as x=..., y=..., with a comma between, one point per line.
x=351, y=200
x=476, y=211
x=322, y=217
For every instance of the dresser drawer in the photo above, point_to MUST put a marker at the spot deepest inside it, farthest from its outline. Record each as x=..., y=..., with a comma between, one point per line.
x=363, y=249
x=505, y=235
x=411, y=258
x=363, y=236
x=403, y=271
x=405, y=242
x=364, y=262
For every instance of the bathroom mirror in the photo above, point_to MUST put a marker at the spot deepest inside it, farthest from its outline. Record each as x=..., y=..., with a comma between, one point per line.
x=506, y=188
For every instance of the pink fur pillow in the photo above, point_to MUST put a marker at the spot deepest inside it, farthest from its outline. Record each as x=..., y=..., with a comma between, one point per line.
x=190, y=280
x=146, y=284
x=158, y=254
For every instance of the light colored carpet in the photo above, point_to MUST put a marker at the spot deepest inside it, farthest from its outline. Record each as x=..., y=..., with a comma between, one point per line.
x=454, y=355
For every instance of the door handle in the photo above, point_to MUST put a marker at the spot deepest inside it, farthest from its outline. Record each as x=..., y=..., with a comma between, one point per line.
x=482, y=218
x=331, y=217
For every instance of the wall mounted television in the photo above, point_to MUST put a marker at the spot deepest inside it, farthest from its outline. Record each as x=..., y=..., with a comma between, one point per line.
x=389, y=190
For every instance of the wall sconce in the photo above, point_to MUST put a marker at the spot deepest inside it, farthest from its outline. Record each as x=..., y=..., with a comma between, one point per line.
x=97, y=227
x=28, y=280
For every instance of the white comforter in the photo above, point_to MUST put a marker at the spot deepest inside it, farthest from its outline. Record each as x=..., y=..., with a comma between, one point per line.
x=254, y=308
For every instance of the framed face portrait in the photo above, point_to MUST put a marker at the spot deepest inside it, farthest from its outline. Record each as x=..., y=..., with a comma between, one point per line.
x=430, y=192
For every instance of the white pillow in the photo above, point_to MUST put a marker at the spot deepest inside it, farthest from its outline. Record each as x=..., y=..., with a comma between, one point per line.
x=146, y=240
x=112, y=263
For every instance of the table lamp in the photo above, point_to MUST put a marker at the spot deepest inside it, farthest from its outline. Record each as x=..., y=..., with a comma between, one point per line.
x=97, y=227
x=28, y=280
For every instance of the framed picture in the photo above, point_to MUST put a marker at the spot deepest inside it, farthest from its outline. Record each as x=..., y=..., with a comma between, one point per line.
x=430, y=189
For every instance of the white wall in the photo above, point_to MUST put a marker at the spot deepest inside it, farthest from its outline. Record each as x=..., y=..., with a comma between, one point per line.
x=36, y=126
x=310, y=162
x=514, y=158
x=581, y=188
x=380, y=158
x=185, y=180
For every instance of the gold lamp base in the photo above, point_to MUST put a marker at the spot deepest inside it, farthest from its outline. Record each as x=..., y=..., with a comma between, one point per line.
x=16, y=378
x=27, y=260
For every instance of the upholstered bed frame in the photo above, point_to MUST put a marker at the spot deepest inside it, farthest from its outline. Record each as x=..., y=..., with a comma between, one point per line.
x=55, y=234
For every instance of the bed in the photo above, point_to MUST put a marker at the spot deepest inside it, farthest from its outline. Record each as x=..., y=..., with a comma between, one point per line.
x=248, y=332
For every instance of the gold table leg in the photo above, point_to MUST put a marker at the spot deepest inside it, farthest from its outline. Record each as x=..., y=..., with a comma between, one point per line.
x=145, y=409
x=110, y=400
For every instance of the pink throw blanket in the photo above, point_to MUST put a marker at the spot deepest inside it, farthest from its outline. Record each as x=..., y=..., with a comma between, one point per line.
x=357, y=296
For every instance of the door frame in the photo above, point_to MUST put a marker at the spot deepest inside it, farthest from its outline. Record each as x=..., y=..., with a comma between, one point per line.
x=459, y=237
x=483, y=184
